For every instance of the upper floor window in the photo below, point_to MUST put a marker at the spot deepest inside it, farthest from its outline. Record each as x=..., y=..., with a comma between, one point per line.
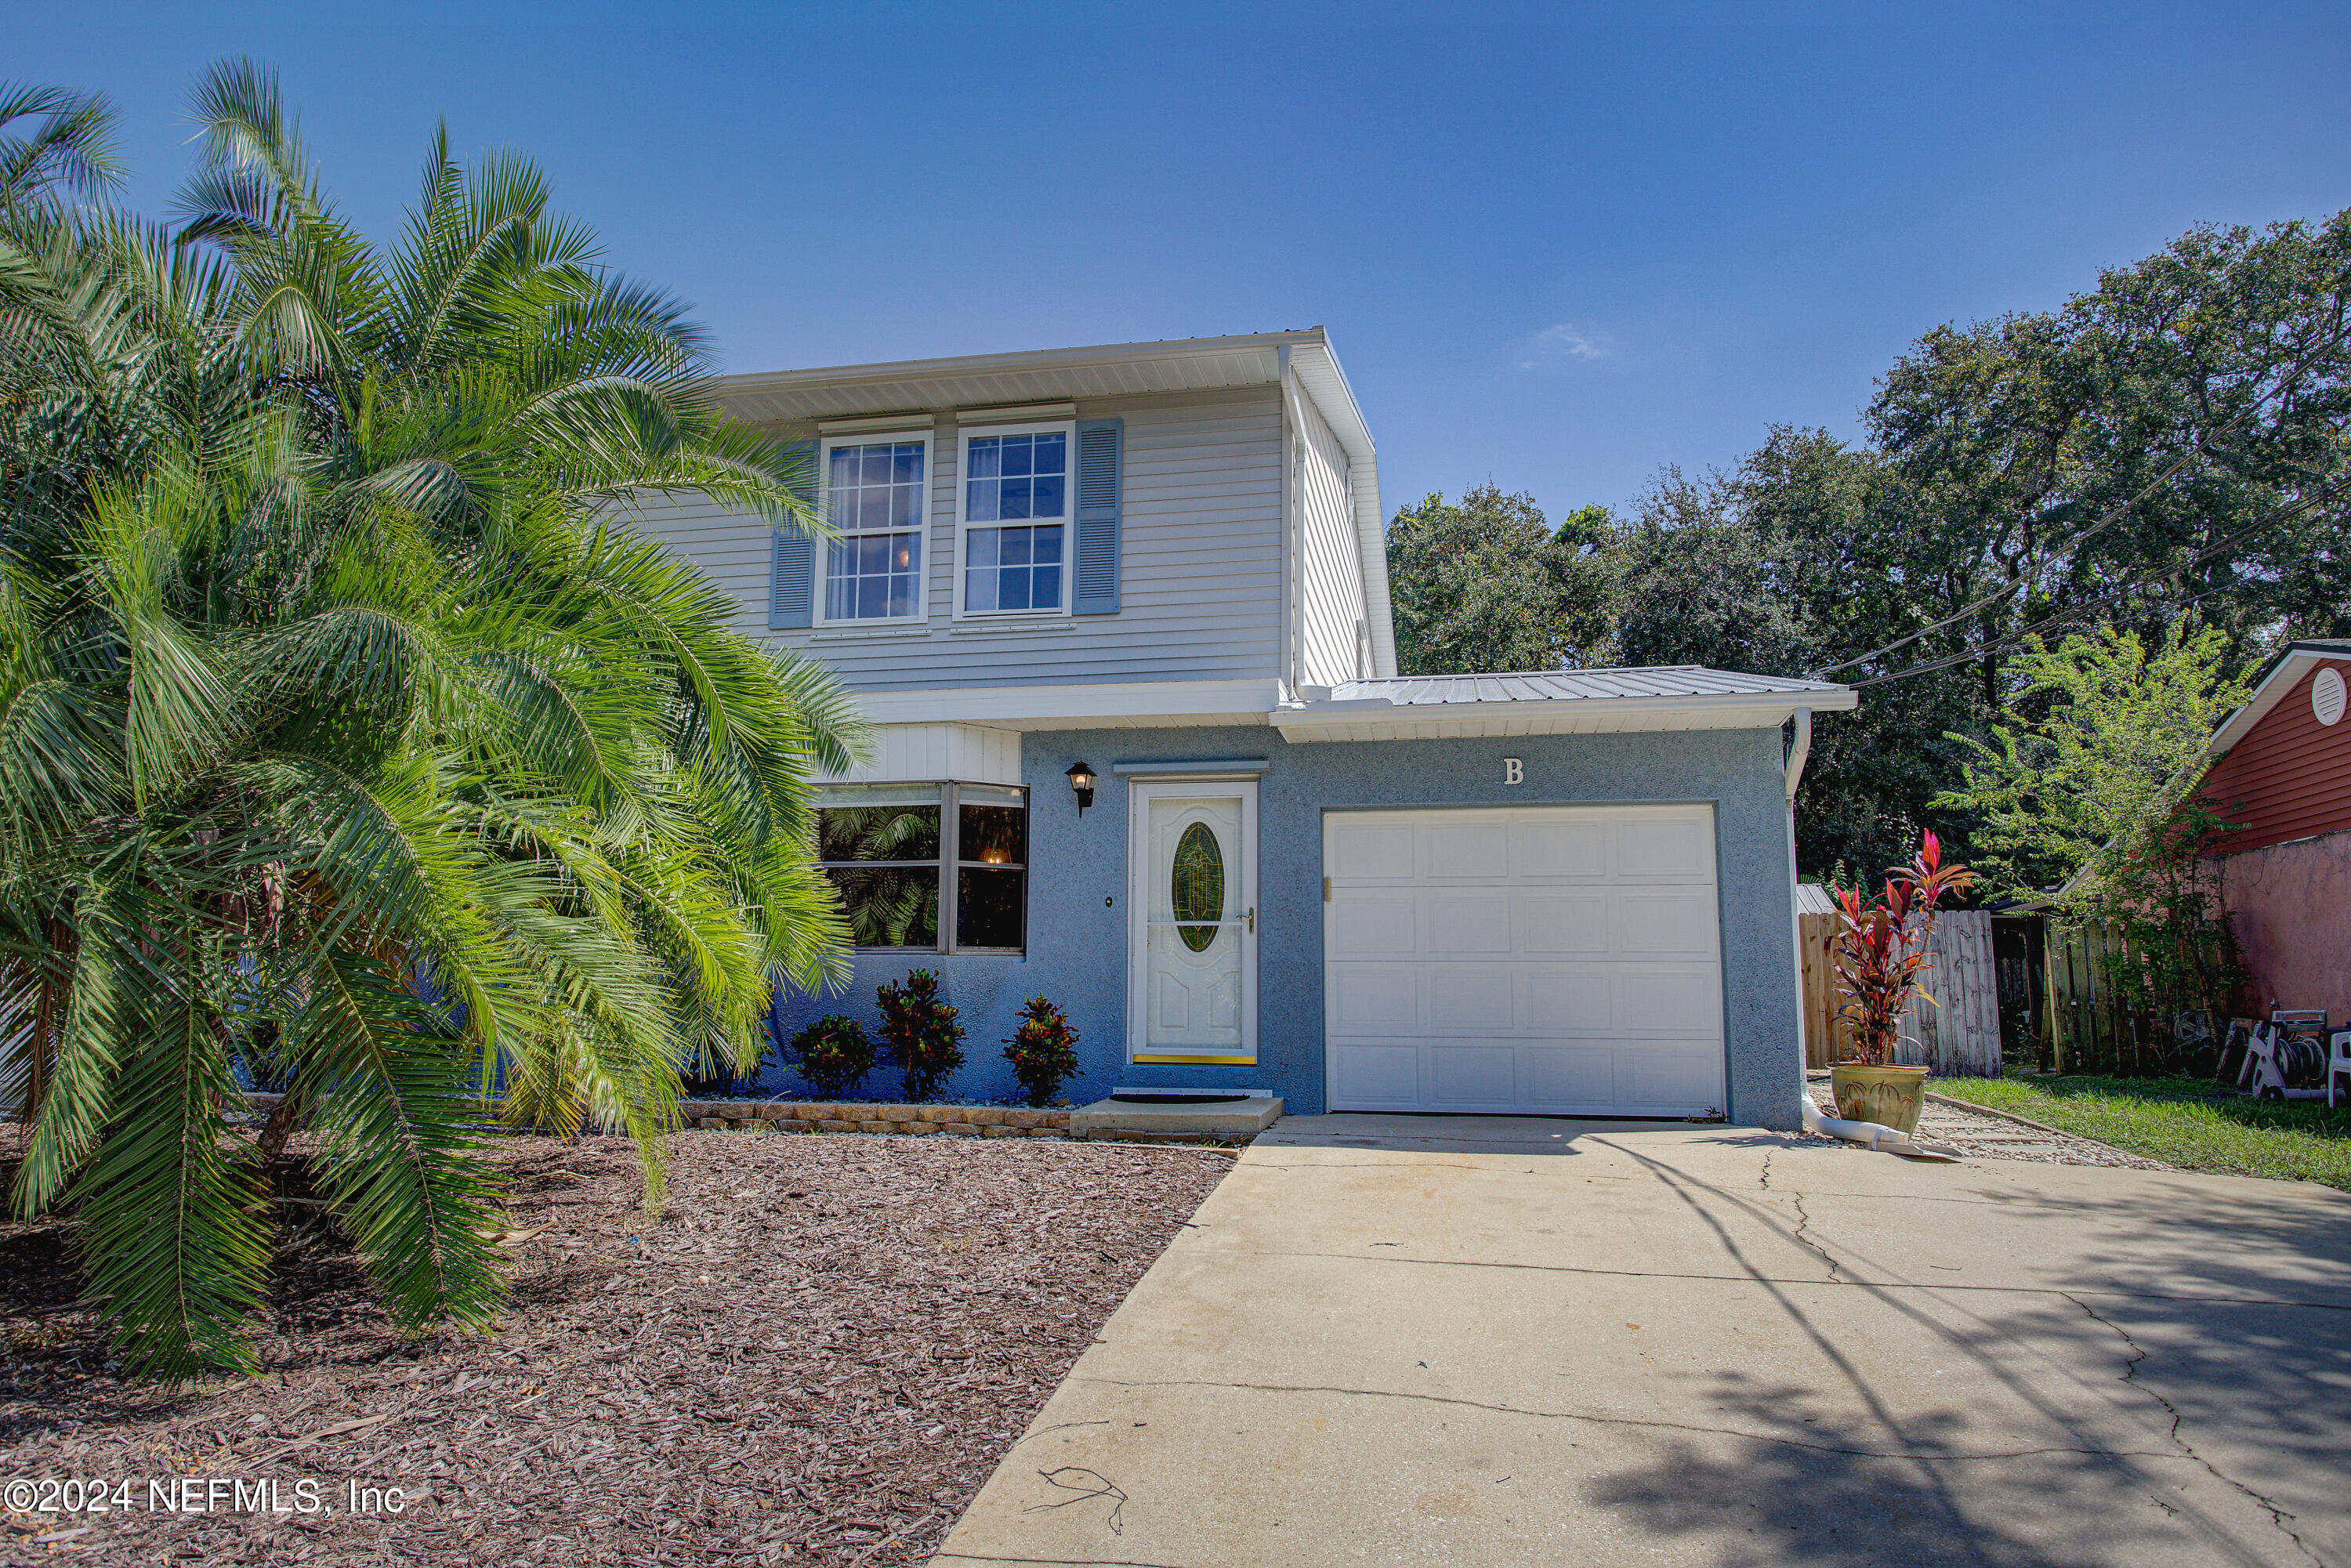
x=874, y=498
x=1014, y=520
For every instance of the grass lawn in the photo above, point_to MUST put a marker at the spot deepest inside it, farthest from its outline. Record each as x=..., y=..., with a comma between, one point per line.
x=2185, y=1122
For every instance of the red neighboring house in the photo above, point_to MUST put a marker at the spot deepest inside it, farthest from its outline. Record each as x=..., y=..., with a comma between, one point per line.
x=2281, y=769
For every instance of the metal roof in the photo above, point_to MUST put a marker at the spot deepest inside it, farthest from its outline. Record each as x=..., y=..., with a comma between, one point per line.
x=1572, y=685
x=1554, y=702
x=1812, y=898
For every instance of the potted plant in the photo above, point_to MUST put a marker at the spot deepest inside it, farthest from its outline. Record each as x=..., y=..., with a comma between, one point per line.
x=920, y=1032
x=1043, y=1050
x=1881, y=957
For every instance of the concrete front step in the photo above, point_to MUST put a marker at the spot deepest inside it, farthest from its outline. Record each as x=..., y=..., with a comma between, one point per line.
x=1237, y=1119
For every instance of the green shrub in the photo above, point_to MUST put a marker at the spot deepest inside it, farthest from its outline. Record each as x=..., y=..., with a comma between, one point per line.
x=1043, y=1050
x=833, y=1055
x=707, y=1075
x=920, y=1033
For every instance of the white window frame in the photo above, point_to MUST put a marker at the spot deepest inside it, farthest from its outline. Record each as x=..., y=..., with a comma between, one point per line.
x=952, y=862
x=965, y=435
x=919, y=434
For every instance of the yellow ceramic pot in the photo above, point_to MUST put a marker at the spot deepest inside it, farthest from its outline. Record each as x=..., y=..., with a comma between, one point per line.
x=1889, y=1096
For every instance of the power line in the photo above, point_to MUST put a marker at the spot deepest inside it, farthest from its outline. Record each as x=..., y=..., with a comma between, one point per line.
x=2016, y=639
x=2294, y=374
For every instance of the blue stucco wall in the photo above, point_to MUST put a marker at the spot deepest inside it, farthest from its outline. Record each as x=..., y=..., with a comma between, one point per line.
x=1077, y=943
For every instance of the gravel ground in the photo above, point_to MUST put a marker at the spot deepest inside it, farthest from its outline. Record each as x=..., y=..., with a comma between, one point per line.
x=818, y=1355
x=1984, y=1137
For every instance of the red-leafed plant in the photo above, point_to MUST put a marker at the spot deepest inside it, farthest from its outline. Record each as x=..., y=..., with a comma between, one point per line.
x=1043, y=1050
x=1881, y=947
x=920, y=1033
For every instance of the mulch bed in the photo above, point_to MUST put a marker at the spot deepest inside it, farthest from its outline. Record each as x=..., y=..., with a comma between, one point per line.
x=818, y=1353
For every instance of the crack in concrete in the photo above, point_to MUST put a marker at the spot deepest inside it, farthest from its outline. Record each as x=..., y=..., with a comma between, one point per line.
x=1904, y=1456
x=1423, y=1165
x=2278, y=1516
x=1803, y=1224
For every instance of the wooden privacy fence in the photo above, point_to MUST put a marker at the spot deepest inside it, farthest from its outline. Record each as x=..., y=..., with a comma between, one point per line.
x=1958, y=1032
x=2089, y=1028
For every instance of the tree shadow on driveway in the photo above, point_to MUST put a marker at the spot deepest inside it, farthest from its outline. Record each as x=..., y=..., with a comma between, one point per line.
x=2162, y=1380
x=1828, y=1493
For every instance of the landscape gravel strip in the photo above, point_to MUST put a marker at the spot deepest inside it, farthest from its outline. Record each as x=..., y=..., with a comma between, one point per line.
x=1973, y=1109
x=818, y=1353
x=1981, y=1134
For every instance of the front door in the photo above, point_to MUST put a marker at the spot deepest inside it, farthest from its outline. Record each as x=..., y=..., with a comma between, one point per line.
x=1192, y=909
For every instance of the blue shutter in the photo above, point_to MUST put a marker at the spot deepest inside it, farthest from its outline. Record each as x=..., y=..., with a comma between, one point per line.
x=1100, y=450
x=791, y=566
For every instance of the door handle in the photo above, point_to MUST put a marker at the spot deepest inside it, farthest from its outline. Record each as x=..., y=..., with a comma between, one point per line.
x=1252, y=919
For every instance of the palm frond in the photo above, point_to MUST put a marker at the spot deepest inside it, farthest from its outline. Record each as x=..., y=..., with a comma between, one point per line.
x=174, y=1236
x=70, y=153
x=400, y=1145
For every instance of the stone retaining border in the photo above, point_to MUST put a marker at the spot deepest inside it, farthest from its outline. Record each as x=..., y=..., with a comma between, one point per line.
x=905, y=1120
x=829, y=1116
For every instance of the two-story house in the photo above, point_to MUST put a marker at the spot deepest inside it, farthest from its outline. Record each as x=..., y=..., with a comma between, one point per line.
x=1120, y=618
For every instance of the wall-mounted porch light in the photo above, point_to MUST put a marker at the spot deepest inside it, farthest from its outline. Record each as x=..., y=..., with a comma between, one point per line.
x=1081, y=783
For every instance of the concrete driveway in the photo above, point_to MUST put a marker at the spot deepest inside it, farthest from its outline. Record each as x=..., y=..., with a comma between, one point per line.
x=1398, y=1339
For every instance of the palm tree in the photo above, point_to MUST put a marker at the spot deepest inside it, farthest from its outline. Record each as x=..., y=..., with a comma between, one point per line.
x=347, y=730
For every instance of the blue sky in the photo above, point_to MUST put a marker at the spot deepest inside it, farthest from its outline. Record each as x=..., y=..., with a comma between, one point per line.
x=1556, y=247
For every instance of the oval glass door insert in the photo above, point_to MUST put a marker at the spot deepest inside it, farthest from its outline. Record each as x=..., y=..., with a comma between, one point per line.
x=1198, y=885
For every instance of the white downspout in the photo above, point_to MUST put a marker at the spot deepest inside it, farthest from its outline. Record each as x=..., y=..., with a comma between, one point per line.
x=1800, y=748
x=1881, y=1138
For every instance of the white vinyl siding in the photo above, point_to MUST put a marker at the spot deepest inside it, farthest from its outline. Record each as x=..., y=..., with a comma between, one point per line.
x=902, y=752
x=1200, y=569
x=733, y=550
x=1332, y=646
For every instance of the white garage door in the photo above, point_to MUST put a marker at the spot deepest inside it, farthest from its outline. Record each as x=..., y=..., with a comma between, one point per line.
x=1555, y=959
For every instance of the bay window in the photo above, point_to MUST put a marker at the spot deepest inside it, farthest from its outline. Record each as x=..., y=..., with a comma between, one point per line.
x=939, y=868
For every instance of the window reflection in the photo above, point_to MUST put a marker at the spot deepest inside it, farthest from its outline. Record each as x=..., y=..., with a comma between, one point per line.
x=882, y=846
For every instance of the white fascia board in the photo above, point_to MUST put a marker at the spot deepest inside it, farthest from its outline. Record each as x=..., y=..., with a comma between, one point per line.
x=2282, y=679
x=1108, y=705
x=1375, y=720
x=1318, y=372
x=1004, y=364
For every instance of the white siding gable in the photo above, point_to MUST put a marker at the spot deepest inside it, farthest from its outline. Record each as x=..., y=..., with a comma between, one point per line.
x=968, y=753
x=1334, y=642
